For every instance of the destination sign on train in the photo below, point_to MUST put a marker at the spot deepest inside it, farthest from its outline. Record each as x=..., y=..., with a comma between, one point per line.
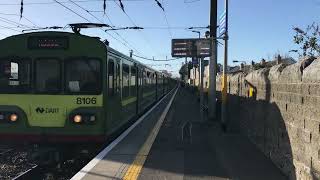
x=37, y=42
x=191, y=48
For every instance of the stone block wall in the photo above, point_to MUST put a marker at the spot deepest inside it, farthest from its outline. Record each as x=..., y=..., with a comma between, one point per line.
x=282, y=118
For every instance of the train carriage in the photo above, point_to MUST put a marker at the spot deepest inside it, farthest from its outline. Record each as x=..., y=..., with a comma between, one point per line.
x=59, y=86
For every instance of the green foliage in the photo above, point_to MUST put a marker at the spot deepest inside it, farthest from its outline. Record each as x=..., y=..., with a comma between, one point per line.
x=308, y=40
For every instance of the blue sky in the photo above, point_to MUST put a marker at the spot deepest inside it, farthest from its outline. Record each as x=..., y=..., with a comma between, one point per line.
x=258, y=28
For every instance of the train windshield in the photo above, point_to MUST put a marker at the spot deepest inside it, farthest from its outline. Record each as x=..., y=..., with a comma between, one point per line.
x=15, y=76
x=47, y=76
x=83, y=76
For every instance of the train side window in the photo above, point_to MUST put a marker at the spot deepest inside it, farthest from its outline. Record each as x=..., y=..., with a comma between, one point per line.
x=133, y=88
x=154, y=78
x=125, y=80
x=118, y=85
x=111, y=77
x=145, y=78
x=148, y=78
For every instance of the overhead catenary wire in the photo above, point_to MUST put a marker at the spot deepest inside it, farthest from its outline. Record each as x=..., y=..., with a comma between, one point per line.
x=72, y=10
x=134, y=24
x=64, y=2
x=165, y=17
x=11, y=22
x=125, y=41
x=5, y=27
x=87, y=20
x=152, y=59
x=24, y=17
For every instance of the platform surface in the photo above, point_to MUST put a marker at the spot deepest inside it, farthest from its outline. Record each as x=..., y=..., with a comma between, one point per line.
x=182, y=147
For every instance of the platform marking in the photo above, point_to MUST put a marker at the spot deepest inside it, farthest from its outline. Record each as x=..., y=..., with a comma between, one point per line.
x=106, y=150
x=137, y=165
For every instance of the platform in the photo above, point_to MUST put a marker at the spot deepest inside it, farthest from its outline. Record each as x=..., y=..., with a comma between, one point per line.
x=171, y=142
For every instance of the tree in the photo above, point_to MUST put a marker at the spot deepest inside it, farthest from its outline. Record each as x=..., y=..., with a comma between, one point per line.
x=308, y=40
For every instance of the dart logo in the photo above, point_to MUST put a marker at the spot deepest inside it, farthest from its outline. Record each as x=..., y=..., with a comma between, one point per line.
x=42, y=110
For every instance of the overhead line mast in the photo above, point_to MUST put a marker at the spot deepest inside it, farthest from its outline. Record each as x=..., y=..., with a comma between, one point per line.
x=213, y=61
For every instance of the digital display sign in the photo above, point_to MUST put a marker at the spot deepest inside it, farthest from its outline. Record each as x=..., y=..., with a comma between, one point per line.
x=40, y=42
x=191, y=48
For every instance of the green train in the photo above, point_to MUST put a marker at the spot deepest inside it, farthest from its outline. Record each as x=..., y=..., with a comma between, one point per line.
x=67, y=87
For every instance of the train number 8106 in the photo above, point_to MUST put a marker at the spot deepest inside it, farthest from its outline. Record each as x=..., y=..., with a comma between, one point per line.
x=87, y=100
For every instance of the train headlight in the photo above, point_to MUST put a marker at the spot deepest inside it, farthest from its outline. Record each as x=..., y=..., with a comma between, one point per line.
x=13, y=117
x=77, y=119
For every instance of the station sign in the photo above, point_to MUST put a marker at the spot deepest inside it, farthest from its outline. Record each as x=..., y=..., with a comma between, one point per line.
x=191, y=48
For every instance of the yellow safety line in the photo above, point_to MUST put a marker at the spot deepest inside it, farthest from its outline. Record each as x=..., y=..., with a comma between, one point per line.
x=136, y=167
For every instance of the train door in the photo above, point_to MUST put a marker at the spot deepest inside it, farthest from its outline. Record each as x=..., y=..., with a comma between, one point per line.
x=134, y=84
x=114, y=95
x=140, y=89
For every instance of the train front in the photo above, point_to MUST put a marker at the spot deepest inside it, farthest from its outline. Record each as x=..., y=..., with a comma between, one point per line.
x=51, y=88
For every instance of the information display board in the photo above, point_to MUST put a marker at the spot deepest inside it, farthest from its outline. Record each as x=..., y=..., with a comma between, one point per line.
x=191, y=48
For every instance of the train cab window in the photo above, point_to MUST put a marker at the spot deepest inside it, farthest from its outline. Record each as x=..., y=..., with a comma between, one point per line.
x=83, y=76
x=111, y=77
x=15, y=76
x=47, y=76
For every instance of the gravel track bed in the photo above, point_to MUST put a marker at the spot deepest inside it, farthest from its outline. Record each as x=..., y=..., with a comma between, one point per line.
x=13, y=163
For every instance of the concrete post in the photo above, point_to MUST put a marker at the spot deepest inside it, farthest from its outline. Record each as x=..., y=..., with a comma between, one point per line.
x=213, y=61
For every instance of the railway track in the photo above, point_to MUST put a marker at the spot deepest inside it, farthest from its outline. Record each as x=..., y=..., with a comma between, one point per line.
x=41, y=162
x=28, y=174
x=3, y=151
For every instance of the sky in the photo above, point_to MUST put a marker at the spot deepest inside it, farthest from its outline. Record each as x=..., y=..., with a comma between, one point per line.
x=257, y=28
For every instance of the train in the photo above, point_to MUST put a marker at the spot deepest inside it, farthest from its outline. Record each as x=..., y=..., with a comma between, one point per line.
x=68, y=87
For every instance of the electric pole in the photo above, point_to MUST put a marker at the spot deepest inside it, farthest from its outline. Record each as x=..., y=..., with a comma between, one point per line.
x=225, y=65
x=213, y=61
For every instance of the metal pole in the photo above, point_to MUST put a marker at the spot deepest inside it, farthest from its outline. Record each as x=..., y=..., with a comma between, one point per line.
x=199, y=70
x=201, y=88
x=225, y=64
x=194, y=78
x=199, y=67
x=131, y=53
x=213, y=61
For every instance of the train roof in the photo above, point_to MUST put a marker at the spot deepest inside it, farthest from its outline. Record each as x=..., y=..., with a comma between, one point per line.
x=108, y=48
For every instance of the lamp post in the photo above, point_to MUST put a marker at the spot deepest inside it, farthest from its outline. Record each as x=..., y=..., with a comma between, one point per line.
x=199, y=33
x=225, y=64
x=201, y=71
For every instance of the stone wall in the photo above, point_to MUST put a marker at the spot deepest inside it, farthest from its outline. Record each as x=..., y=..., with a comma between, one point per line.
x=282, y=118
